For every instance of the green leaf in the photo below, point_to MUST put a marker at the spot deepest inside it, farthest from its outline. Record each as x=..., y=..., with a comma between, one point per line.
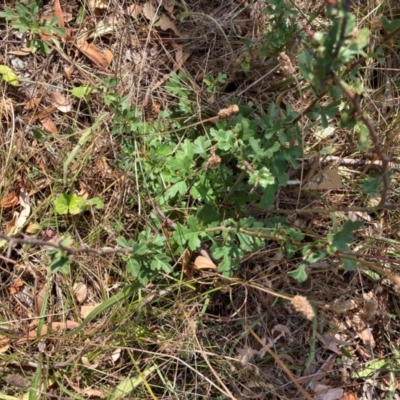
x=372, y=184
x=97, y=202
x=161, y=262
x=189, y=235
x=60, y=263
x=350, y=263
x=133, y=267
x=299, y=273
x=129, y=385
x=81, y=91
x=201, y=146
x=69, y=203
x=268, y=197
x=342, y=238
x=8, y=75
x=176, y=188
x=370, y=368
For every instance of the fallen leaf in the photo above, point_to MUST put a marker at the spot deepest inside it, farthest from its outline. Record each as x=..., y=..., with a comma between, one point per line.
x=104, y=27
x=169, y=6
x=25, y=51
x=349, y=396
x=61, y=326
x=59, y=14
x=93, y=393
x=17, y=380
x=94, y=5
x=366, y=336
x=187, y=266
x=61, y=102
x=109, y=56
x=86, y=310
x=32, y=103
x=26, y=208
x=32, y=335
x=68, y=72
x=3, y=345
x=93, y=53
x=10, y=200
x=80, y=292
x=133, y=10
x=180, y=56
x=149, y=11
x=39, y=299
x=116, y=354
x=328, y=179
x=49, y=125
x=15, y=287
x=40, y=114
x=324, y=392
x=165, y=23
x=33, y=229
x=204, y=263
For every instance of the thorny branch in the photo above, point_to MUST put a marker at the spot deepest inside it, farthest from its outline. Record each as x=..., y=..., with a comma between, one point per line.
x=355, y=101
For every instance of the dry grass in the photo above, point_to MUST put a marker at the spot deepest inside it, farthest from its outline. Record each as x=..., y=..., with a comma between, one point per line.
x=181, y=338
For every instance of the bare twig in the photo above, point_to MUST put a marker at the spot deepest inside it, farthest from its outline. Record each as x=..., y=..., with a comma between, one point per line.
x=58, y=245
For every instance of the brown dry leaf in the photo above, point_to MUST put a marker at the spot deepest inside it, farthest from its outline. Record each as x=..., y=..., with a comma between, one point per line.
x=25, y=203
x=187, y=266
x=25, y=51
x=32, y=335
x=39, y=299
x=32, y=103
x=84, y=192
x=15, y=287
x=149, y=11
x=89, y=393
x=33, y=229
x=57, y=326
x=86, y=310
x=165, y=23
x=10, y=200
x=86, y=363
x=204, y=263
x=6, y=107
x=97, y=5
x=332, y=343
x=49, y=125
x=80, y=292
x=323, y=392
x=349, y=396
x=17, y=380
x=58, y=13
x=109, y=56
x=68, y=72
x=366, y=336
x=181, y=57
x=169, y=6
x=44, y=113
x=93, y=53
x=11, y=225
x=61, y=326
x=61, y=102
x=328, y=179
x=133, y=10
x=3, y=345
x=104, y=27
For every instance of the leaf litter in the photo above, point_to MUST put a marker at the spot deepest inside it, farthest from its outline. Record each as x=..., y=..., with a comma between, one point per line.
x=229, y=306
